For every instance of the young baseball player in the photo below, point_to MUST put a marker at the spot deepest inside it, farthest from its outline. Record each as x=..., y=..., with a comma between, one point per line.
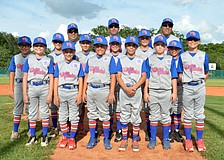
x=37, y=89
x=113, y=29
x=174, y=48
x=85, y=41
x=145, y=52
x=160, y=90
x=56, y=57
x=73, y=35
x=131, y=75
x=68, y=85
x=98, y=90
x=16, y=79
x=115, y=45
x=193, y=73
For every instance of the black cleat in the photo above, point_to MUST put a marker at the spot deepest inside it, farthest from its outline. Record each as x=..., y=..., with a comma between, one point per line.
x=171, y=137
x=139, y=138
x=147, y=135
x=177, y=136
x=118, y=136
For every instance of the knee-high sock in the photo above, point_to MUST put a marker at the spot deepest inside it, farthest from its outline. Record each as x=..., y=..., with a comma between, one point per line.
x=199, y=128
x=64, y=129
x=16, y=122
x=92, y=128
x=124, y=131
x=187, y=130
x=45, y=126
x=153, y=127
x=106, y=127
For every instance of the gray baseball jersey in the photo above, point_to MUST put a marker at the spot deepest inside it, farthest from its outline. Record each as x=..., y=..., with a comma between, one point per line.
x=131, y=106
x=82, y=58
x=56, y=57
x=139, y=52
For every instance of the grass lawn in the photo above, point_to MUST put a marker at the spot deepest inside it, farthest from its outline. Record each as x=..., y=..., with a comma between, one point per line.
x=16, y=150
x=215, y=82
x=4, y=80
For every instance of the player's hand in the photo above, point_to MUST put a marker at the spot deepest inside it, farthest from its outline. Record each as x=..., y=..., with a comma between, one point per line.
x=146, y=98
x=25, y=99
x=111, y=98
x=173, y=97
x=84, y=98
x=56, y=101
x=78, y=99
x=49, y=99
x=11, y=94
x=130, y=92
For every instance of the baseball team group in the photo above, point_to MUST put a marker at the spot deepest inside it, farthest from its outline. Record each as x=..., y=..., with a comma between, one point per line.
x=121, y=78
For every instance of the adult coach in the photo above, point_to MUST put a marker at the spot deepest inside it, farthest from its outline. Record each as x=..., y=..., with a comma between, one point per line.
x=166, y=30
x=113, y=28
x=73, y=35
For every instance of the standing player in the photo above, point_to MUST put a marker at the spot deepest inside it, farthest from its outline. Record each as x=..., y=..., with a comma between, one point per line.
x=174, y=48
x=85, y=41
x=68, y=85
x=113, y=28
x=166, y=30
x=160, y=90
x=16, y=76
x=98, y=90
x=73, y=35
x=131, y=75
x=145, y=52
x=193, y=73
x=37, y=89
x=56, y=57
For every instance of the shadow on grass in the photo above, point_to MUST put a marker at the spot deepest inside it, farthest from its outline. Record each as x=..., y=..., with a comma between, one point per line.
x=214, y=111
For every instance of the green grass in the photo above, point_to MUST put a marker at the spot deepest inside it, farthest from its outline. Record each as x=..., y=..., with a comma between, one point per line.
x=16, y=150
x=214, y=129
x=4, y=80
x=215, y=82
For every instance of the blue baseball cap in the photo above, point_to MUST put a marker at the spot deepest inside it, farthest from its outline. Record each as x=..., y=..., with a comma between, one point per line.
x=132, y=39
x=72, y=26
x=144, y=32
x=24, y=39
x=40, y=40
x=58, y=37
x=175, y=43
x=167, y=20
x=113, y=21
x=193, y=34
x=160, y=38
x=68, y=45
x=115, y=38
x=85, y=37
x=100, y=40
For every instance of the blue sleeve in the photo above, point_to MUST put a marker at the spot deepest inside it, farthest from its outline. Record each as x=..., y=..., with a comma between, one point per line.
x=180, y=65
x=144, y=66
x=51, y=68
x=26, y=66
x=87, y=67
x=112, y=66
x=75, y=57
x=182, y=48
x=56, y=71
x=12, y=65
x=119, y=67
x=81, y=73
x=206, y=63
x=150, y=44
x=173, y=69
x=148, y=68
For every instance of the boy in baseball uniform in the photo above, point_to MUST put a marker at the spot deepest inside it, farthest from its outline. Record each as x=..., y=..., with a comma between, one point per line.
x=56, y=57
x=160, y=90
x=37, y=89
x=68, y=86
x=193, y=73
x=174, y=48
x=16, y=79
x=131, y=75
x=98, y=90
x=85, y=42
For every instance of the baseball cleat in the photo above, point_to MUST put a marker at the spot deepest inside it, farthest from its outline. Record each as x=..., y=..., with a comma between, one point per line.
x=171, y=137
x=200, y=145
x=135, y=146
x=71, y=144
x=32, y=140
x=44, y=141
x=118, y=136
x=107, y=144
x=92, y=143
x=15, y=136
x=147, y=135
x=177, y=136
x=54, y=132
x=111, y=134
x=166, y=144
x=152, y=144
x=189, y=145
x=124, y=145
x=139, y=138
x=63, y=142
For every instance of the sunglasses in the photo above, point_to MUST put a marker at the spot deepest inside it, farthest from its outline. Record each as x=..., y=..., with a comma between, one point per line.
x=60, y=42
x=193, y=39
x=114, y=26
x=38, y=45
x=24, y=45
x=170, y=25
x=144, y=37
x=73, y=31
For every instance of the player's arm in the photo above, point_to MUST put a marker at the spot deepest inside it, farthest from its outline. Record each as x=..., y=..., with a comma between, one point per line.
x=51, y=82
x=25, y=70
x=80, y=76
x=146, y=88
x=85, y=84
x=206, y=67
x=180, y=70
x=56, y=79
x=143, y=77
x=113, y=71
x=12, y=68
x=174, y=77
